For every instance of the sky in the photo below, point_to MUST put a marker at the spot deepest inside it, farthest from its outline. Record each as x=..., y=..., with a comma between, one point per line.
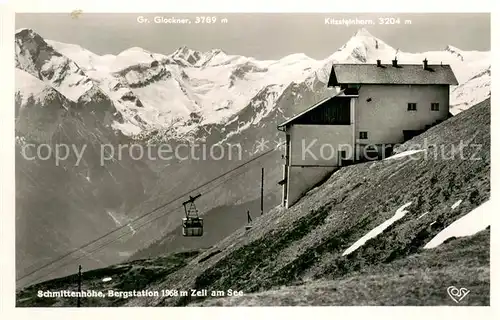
x=260, y=35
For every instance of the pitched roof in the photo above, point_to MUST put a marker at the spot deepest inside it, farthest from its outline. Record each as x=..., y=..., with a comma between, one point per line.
x=314, y=106
x=388, y=74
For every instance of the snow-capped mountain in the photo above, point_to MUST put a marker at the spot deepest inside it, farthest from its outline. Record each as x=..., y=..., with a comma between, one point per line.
x=189, y=89
x=472, y=91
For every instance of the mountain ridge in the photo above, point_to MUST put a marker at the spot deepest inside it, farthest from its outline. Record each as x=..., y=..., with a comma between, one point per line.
x=211, y=82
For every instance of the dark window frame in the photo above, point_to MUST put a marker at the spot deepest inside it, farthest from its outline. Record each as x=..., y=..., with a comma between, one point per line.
x=363, y=134
x=412, y=106
x=435, y=106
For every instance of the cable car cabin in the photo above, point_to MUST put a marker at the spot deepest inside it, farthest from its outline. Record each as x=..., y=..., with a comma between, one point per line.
x=192, y=227
x=192, y=224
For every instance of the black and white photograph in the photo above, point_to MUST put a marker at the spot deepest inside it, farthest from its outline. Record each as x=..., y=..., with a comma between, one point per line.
x=252, y=159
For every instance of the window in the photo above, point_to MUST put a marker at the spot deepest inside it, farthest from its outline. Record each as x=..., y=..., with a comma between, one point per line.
x=363, y=135
x=412, y=106
x=342, y=157
x=434, y=106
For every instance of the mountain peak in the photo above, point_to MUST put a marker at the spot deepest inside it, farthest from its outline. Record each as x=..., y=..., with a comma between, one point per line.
x=134, y=50
x=362, y=47
x=217, y=51
x=184, y=50
x=455, y=51
x=362, y=32
x=28, y=34
x=190, y=57
x=451, y=48
x=24, y=30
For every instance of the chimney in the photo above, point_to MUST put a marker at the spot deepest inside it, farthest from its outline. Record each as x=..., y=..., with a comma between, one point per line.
x=379, y=63
x=425, y=64
x=395, y=62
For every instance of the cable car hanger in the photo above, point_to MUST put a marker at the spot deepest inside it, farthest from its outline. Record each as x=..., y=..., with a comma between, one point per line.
x=192, y=224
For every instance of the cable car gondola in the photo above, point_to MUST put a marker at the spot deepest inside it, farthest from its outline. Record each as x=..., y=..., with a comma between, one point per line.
x=192, y=224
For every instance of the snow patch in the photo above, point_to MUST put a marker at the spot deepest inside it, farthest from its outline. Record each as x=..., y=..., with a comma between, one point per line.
x=115, y=220
x=131, y=228
x=470, y=224
x=118, y=222
x=456, y=204
x=422, y=215
x=30, y=87
x=400, y=213
x=404, y=154
x=124, y=254
x=128, y=129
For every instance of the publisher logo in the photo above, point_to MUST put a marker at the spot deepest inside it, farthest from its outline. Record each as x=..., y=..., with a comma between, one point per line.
x=456, y=294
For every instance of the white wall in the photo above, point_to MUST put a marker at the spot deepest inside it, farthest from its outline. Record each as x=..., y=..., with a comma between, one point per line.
x=318, y=145
x=301, y=180
x=313, y=156
x=386, y=116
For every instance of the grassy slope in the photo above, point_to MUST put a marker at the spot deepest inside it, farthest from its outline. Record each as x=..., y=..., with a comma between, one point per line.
x=136, y=275
x=419, y=279
x=306, y=242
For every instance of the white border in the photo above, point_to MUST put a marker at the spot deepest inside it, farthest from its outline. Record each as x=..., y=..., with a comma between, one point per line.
x=7, y=299
x=251, y=6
